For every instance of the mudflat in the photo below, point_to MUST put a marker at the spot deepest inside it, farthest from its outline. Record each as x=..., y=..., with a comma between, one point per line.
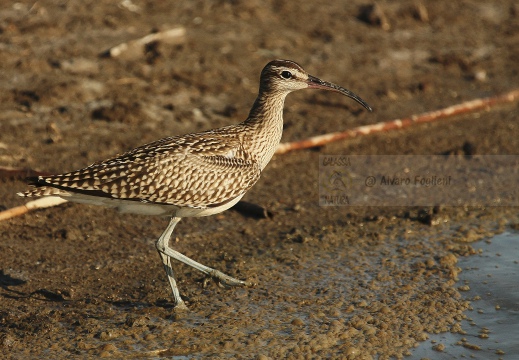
x=332, y=281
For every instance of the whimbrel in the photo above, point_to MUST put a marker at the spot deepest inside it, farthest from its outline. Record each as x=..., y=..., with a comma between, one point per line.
x=197, y=174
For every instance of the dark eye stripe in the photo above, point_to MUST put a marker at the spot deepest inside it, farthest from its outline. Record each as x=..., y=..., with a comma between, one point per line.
x=286, y=74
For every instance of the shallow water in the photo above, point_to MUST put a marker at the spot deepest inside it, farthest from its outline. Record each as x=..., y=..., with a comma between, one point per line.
x=492, y=277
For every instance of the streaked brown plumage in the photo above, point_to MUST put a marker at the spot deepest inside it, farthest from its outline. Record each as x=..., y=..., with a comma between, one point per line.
x=196, y=170
x=191, y=175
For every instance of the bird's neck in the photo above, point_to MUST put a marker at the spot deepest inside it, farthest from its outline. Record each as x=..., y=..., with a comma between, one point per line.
x=264, y=126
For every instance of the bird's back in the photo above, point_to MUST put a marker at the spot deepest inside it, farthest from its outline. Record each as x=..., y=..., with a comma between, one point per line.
x=196, y=170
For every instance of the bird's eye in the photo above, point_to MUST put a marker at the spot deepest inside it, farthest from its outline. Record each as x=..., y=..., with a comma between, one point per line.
x=286, y=74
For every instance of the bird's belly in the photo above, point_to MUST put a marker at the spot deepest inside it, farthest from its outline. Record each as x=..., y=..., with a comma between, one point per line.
x=148, y=208
x=123, y=206
x=134, y=207
x=193, y=212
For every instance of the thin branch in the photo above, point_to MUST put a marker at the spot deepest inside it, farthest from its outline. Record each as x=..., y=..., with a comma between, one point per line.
x=465, y=107
x=40, y=203
x=172, y=36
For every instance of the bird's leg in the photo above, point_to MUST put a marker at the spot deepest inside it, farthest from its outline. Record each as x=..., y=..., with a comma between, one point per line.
x=166, y=261
x=179, y=303
x=167, y=252
x=218, y=275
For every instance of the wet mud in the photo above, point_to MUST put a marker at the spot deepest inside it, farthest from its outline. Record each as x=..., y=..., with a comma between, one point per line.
x=332, y=282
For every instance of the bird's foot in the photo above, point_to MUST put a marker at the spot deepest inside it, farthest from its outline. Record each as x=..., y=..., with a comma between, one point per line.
x=180, y=306
x=227, y=280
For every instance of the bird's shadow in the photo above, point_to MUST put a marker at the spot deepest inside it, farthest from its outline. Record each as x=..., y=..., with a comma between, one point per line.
x=251, y=210
x=7, y=282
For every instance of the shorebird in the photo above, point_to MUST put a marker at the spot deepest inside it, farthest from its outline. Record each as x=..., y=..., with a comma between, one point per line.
x=191, y=175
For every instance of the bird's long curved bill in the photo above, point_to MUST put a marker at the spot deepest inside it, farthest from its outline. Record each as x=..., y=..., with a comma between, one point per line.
x=316, y=83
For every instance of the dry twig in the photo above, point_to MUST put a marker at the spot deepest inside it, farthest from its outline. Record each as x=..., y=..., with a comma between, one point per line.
x=40, y=203
x=465, y=107
x=171, y=36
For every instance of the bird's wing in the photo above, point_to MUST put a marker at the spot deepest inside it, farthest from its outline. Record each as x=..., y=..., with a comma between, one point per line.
x=198, y=171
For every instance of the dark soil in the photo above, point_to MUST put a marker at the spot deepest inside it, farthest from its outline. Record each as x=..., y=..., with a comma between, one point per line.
x=333, y=282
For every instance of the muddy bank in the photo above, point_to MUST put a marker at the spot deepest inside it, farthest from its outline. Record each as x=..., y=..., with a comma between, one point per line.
x=352, y=282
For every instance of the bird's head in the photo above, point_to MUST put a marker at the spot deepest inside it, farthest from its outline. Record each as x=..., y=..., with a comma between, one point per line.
x=285, y=76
